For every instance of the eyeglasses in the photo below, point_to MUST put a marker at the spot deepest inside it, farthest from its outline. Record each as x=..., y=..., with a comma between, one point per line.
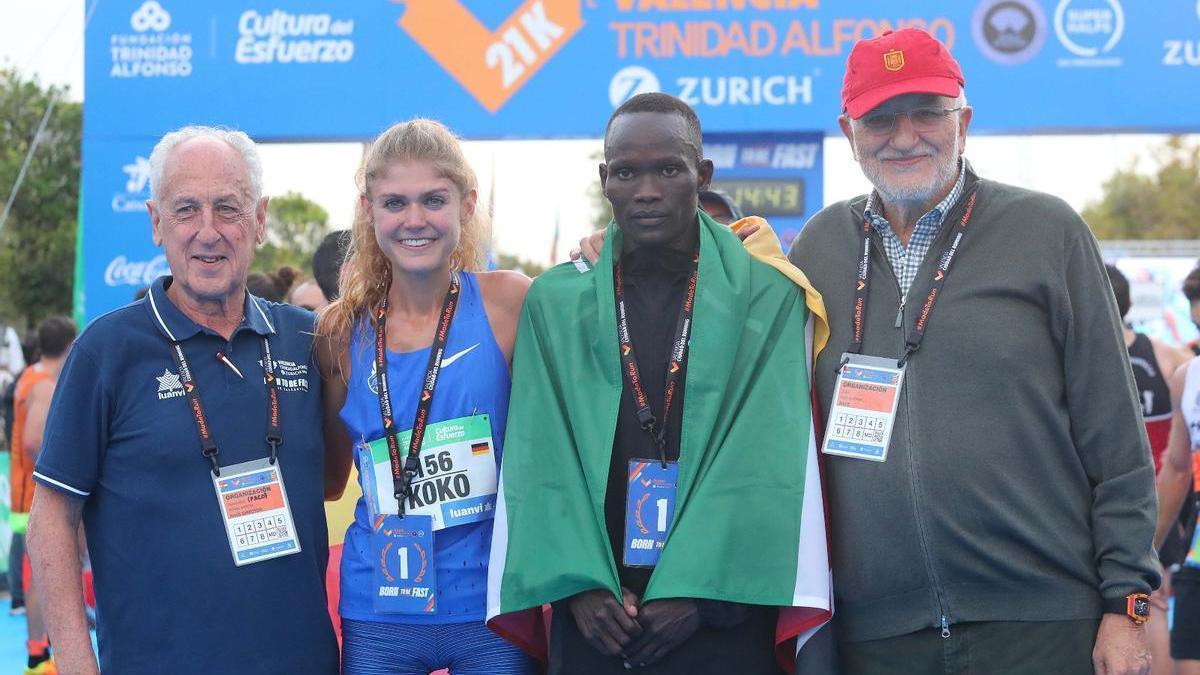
x=923, y=119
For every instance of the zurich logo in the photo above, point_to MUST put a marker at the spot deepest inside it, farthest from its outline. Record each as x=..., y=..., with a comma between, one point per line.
x=629, y=82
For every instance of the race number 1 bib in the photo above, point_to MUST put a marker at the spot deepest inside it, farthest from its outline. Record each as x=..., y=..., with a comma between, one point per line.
x=254, y=507
x=405, y=574
x=864, y=408
x=649, y=510
x=456, y=476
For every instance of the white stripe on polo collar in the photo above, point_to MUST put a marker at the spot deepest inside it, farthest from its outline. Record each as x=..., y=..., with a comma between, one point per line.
x=263, y=315
x=157, y=315
x=154, y=306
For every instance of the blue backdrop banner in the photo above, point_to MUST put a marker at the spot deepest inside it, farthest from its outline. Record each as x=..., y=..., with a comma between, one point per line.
x=320, y=70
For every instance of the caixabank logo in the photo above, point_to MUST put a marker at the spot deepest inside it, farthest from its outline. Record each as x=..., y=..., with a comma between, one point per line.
x=491, y=65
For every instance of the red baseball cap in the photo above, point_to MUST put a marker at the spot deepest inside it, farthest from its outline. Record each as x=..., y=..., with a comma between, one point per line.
x=907, y=61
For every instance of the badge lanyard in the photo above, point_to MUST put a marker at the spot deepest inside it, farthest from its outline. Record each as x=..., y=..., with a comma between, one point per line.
x=402, y=474
x=679, y=351
x=208, y=446
x=862, y=286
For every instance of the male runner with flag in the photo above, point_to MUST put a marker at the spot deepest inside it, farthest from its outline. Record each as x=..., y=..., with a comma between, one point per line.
x=660, y=485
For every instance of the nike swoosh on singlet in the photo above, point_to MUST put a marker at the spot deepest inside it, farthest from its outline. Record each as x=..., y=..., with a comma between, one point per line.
x=454, y=357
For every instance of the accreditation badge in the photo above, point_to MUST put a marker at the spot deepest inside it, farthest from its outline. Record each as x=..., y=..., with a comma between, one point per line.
x=455, y=482
x=254, y=507
x=649, y=510
x=405, y=575
x=864, y=408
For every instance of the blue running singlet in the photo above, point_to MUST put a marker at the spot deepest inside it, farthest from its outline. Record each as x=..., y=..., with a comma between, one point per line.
x=474, y=380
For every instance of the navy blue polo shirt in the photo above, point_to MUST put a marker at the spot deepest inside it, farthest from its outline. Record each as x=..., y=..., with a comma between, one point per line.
x=120, y=436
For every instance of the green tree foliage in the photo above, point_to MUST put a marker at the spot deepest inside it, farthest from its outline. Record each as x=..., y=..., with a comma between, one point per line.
x=295, y=227
x=37, y=245
x=507, y=261
x=1159, y=206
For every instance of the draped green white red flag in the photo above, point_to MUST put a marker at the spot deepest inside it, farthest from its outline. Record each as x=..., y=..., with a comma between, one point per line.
x=749, y=524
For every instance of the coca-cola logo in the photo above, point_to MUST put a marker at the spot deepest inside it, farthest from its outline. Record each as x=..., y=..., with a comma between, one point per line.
x=124, y=272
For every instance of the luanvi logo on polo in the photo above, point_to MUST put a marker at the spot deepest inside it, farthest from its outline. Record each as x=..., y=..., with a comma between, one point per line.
x=1010, y=32
x=491, y=65
x=169, y=385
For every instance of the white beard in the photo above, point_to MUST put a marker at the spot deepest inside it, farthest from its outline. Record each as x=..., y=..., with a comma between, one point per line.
x=945, y=174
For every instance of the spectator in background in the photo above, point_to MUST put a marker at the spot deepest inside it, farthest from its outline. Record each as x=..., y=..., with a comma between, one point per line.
x=327, y=262
x=720, y=206
x=12, y=363
x=273, y=286
x=1178, y=483
x=12, y=360
x=1153, y=362
x=31, y=405
x=1191, y=291
x=307, y=294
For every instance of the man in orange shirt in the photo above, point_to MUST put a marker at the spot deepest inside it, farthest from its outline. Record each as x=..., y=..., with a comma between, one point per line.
x=30, y=407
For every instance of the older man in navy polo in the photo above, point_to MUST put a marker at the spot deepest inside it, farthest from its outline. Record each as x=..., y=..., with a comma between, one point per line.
x=186, y=435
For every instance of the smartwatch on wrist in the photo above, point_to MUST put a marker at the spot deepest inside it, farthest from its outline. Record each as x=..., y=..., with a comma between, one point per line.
x=1136, y=606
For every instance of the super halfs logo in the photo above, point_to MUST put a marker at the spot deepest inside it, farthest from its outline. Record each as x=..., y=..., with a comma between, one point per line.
x=492, y=65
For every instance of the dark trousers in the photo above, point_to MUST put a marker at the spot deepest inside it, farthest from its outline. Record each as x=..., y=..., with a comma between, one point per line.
x=745, y=649
x=979, y=648
x=16, y=555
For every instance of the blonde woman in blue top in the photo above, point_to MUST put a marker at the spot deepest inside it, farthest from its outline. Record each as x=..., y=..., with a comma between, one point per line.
x=422, y=340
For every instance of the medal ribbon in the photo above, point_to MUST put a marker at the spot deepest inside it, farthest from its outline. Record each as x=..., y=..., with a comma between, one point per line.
x=402, y=474
x=679, y=351
x=208, y=446
x=862, y=287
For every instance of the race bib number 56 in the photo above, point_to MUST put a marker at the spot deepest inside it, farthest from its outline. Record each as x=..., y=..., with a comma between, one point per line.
x=456, y=476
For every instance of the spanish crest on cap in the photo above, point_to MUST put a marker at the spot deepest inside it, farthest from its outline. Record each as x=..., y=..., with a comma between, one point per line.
x=893, y=60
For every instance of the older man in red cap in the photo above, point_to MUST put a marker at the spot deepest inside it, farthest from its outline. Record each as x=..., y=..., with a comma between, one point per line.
x=992, y=495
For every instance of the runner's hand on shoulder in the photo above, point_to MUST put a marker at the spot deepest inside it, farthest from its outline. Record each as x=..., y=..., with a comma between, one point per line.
x=666, y=624
x=743, y=233
x=590, y=247
x=609, y=626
